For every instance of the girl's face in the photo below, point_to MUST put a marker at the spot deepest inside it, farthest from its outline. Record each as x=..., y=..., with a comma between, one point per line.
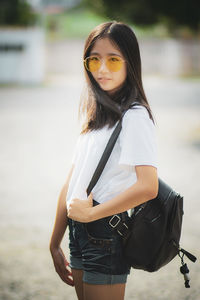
x=108, y=79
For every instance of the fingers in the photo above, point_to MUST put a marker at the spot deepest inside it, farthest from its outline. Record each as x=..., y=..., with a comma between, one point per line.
x=66, y=263
x=90, y=198
x=65, y=274
x=61, y=267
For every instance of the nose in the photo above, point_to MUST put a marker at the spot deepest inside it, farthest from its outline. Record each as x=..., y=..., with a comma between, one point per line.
x=103, y=67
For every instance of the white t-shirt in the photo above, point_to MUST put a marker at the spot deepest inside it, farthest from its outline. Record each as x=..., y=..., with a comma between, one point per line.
x=136, y=145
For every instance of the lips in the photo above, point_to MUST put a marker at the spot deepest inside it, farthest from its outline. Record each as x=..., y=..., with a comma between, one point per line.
x=103, y=79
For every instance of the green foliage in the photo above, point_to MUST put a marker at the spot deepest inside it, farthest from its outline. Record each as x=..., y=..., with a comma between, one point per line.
x=174, y=14
x=75, y=23
x=16, y=13
x=78, y=22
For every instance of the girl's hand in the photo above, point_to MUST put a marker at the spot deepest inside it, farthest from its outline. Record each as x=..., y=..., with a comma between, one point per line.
x=80, y=210
x=61, y=265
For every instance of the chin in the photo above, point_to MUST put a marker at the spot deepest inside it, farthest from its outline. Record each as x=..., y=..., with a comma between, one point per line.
x=112, y=91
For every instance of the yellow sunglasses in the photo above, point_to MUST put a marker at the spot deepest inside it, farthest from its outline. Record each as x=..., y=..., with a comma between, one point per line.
x=113, y=63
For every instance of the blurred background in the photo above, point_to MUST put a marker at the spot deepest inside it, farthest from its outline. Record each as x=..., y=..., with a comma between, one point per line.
x=41, y=79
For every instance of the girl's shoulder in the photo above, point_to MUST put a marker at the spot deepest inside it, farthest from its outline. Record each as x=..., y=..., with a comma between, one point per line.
x=137, y=111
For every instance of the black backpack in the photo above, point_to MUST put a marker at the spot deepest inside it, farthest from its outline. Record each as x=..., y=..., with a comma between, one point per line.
x=155, y=230
x=151, y=236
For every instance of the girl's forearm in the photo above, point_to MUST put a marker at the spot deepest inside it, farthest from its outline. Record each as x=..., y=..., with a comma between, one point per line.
x=133, y=196
x=60, y=224
x=61, y=219
x=144, y=189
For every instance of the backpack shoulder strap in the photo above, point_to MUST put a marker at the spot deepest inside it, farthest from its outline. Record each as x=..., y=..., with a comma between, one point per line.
x=105, y=156
x=107, y=152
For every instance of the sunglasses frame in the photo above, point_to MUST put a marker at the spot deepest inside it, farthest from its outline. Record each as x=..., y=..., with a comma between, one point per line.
x=85, y=65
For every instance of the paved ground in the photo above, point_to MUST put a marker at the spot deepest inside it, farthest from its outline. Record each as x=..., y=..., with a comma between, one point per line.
x=38, y=129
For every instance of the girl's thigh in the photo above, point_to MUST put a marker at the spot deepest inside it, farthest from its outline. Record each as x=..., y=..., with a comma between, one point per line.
x=78, y=282
x=104, y=292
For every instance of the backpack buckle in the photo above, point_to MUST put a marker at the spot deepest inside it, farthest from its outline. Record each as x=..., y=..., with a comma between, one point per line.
x=123, y=229
x=116, y=222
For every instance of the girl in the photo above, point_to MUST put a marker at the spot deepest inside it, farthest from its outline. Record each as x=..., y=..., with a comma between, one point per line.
x=113, y=75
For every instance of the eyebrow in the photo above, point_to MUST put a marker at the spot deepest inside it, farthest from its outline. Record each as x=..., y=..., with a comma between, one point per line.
x=109, y=54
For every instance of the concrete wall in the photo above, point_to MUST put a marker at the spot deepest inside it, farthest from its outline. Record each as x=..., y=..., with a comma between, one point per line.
x=22, y=55
x=170, y=56
x=165, y=57
x=25, y=58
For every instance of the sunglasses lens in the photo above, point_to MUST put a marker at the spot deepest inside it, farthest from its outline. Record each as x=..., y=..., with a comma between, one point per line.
x=92, y=63
x=114, y=64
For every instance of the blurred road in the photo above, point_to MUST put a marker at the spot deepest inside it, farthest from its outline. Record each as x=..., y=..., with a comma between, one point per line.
x=38, y=129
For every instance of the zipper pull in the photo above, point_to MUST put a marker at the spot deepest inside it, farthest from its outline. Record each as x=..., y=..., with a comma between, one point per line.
x=188, y=254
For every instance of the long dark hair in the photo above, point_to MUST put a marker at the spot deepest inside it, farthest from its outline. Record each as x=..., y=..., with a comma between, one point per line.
x=101, y=108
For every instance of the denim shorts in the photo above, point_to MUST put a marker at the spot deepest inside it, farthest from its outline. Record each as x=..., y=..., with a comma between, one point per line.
x=96, y=249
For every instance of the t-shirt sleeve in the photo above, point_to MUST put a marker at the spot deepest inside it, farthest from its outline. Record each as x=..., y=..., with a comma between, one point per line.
x=138, y=139
x=76, y=150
